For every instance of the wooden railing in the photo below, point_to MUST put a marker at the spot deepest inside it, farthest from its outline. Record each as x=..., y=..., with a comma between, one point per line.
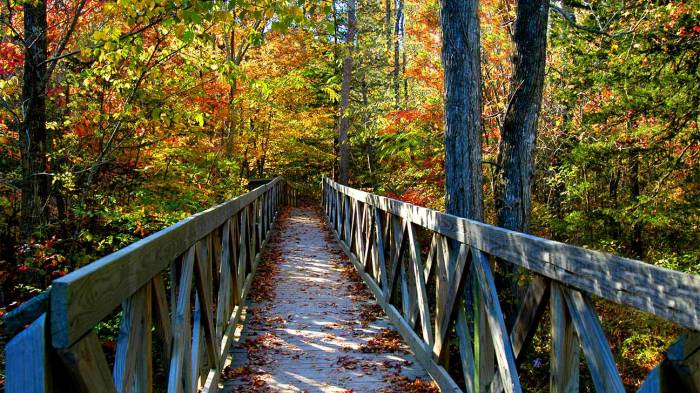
x=448, y=295
x=190, y=281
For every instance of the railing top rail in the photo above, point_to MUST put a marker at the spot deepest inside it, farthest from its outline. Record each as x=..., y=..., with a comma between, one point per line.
x=85, y=296
x=666, y=293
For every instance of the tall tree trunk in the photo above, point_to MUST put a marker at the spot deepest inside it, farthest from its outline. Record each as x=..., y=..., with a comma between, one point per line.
x=518, y=135
x=369, y=144
x=516, y=153
x=387, y=22
x=231, y=56
x=403, y=76
x=636, y=243
x=344, y=166
x=32, y=135
x=461, y=60
x=398, y=24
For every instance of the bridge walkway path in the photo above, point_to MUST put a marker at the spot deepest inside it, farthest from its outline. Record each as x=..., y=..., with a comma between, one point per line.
x=312, y=325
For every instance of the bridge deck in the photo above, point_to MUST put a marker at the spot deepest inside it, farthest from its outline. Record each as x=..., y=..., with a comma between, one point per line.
x=312, y=325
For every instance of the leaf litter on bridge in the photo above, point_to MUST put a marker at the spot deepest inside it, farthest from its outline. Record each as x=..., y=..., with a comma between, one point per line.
x=313, y=326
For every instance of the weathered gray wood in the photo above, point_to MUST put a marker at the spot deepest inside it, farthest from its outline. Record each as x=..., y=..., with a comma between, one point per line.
x=26, y=313
x=143, y=378
x=84, y=297
x=564, y=367
x=181, y=325
x=27, y=358
x=234, y=251
x=243, y=249
x=526, y=323
x=466, y=350
x=596, y=349
x=162, y=314
x=196, y=345
x=418, y=346
x=379, y=250
x=666, y=293
x=224, y=294
x=448, y=298
x=422, y=292
x=204, y=295
x=529, y=315
x=87, y=365
x=398, y=243
x=130, y=343
x=484, y=355
x=501, y=341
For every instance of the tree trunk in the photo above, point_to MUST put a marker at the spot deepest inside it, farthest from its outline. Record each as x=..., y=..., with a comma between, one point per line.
x=405, y=80
x=636, y=244
x=461, y=61
x=398, y=24
x=32, y=135
x=518, y=135
x=387, y=22
x=344, y=166
x=516, y=153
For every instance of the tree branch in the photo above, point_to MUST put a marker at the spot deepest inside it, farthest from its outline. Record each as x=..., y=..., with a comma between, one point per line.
x=569, y=17
x=64, y=40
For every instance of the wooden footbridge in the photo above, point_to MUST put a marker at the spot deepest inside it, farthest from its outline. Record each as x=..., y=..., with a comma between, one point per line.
x=193, y=315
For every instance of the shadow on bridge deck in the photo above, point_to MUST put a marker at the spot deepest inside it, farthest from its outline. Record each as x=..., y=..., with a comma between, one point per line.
x=312, y=325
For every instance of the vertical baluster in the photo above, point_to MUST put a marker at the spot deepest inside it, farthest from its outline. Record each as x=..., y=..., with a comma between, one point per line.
x=224, y=293
x=131, y=341
x=28, y=367
x=202, y=275
x=181, y=326
x=500, y=338
x=564, y=368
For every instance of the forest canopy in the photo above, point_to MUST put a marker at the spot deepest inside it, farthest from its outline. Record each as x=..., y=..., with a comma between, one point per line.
x=134, y=114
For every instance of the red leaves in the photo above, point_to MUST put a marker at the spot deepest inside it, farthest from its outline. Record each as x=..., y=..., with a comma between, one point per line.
x=385, y=341
x=400, y=383
x=11, y=58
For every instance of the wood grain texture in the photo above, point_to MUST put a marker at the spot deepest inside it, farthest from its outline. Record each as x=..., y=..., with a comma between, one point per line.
x=501, y=341
x=596, y=349
x=564, y=358
x=666, y=293
x=84, y=297
x=87, y=365
x=130, y=343
x=422, y=352
x=27, y=358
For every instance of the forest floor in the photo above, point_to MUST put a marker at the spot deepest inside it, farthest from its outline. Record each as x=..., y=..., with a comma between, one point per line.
x=312, y=325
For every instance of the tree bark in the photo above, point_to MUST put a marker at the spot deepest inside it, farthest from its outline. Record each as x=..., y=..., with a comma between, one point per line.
x=33, y=136
x=461, y=61
x=387, y=22
x=517, y=146
x=398, y=28
x=343, y=142
x=518, y=135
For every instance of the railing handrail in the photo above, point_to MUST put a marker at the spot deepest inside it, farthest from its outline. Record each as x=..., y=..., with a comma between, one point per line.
x=219, y=247
x=380, y=236
x=139, y=262
x=670, y=294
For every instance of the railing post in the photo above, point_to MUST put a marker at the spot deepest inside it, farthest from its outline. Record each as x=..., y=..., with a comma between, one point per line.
x=27, y=359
